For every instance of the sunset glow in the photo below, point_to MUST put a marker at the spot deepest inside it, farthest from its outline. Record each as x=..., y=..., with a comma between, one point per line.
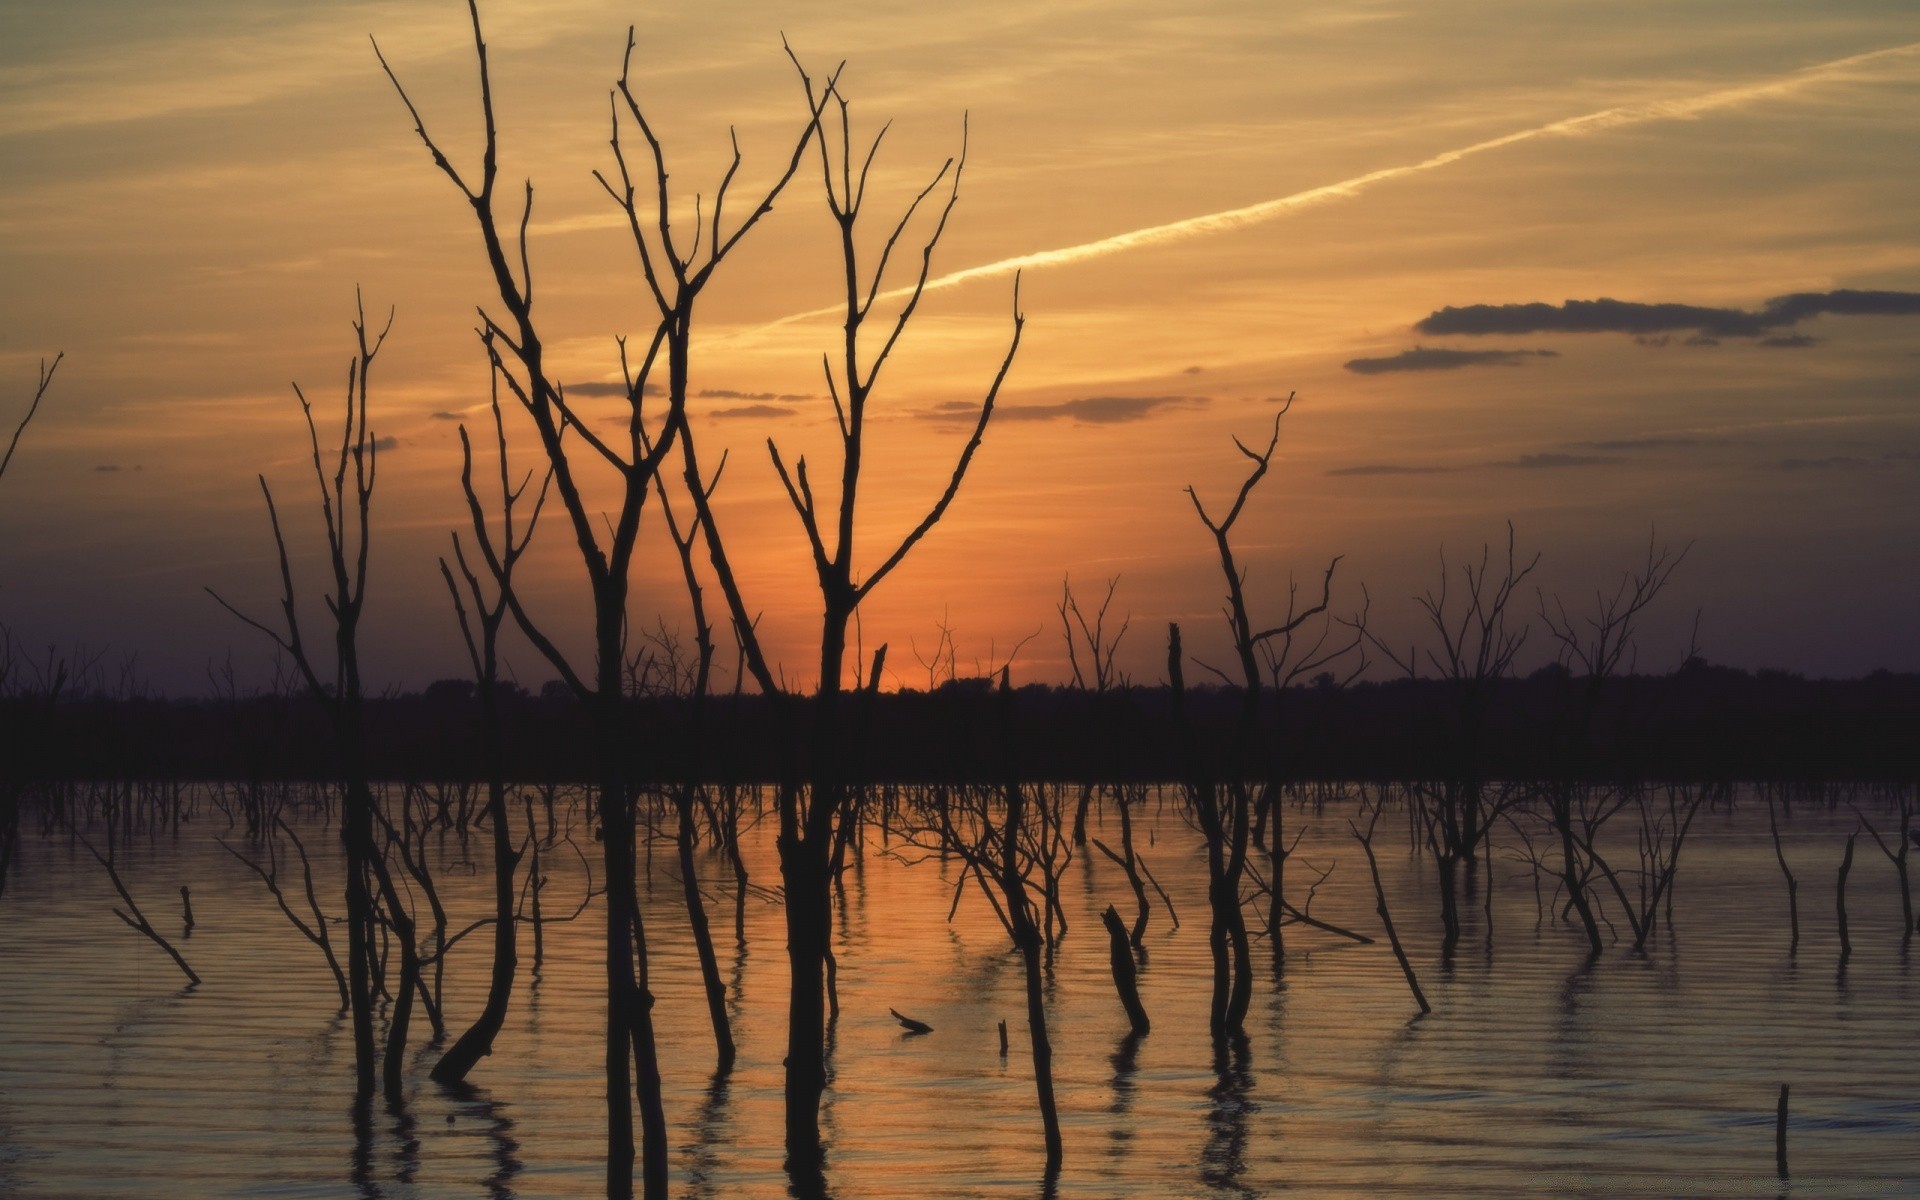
x=1211, y=208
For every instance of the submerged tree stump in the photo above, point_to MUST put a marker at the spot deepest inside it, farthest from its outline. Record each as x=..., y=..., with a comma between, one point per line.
x=1125, y=980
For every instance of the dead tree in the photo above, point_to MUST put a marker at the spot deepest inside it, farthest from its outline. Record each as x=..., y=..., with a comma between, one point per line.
x=1380, y=903
x=313, y=927
x=1474, y=657
x=132, y=918
x=694, y=687
x=1793, y=885
x=1003, y=849
x=677, y=268
x=1906, y=804
x=1222, y=794
x=1593, y=648
x=480, y=632
x=814, y=796
x=1101, y=651
x=346, y=505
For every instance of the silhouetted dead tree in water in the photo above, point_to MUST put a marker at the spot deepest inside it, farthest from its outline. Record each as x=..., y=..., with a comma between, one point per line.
x=346, y=504
x=1594, y=647
x=697, y=684
x=1222, y=793
x=1474, y=656
x=133, y=918
x=1014, y=861
x=1905, y=805
x=814, y=796
x=1380, y=902
x=1793, y=885
x=677, y=270
x=480, y=632
x=1840, y=900
x=314, y=927
x=1101, y=651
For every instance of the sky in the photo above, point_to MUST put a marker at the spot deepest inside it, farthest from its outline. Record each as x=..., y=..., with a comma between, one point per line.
x=1614, y=274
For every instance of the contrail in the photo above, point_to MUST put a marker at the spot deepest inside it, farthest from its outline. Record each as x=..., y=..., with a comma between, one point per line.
x=1267, y=210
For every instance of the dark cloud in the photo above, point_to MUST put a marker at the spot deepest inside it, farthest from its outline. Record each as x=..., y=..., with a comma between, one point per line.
x=1088, y=410
x=1646, y=320
x=386, y=443
x=1623, y=445
x=1790, y=341
x=1655, y=343
x=447, y=416
x=1836, y=462
x=731, y=394
x=603, y=387
x=108, y=467
x=1549, y=462
x=1421, y=358
x=754, y=410
x=1193, y=370
x=1388, y=469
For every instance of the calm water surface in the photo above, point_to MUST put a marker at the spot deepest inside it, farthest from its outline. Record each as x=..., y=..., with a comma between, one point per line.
x=1537, y=1073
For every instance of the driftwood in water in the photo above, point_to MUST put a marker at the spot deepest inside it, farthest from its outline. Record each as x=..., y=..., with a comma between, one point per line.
x=1386, y=918
x=1840, y=900
x=907, y=1023
x=1793, y=885
x=1123, y=970
x=134, y=918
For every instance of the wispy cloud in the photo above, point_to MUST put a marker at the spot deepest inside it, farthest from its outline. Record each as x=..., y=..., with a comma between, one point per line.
x=1619, y=116
x=1422, y=358
x=765, y=411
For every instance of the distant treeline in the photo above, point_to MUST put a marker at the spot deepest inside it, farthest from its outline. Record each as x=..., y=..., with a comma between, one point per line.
x=1702, y=722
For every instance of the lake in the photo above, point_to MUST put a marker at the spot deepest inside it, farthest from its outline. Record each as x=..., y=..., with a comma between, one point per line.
x=1538, y=1072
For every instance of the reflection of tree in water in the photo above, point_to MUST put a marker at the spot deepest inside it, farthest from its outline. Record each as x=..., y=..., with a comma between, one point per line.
x=1224, y=1158
x=709, y=1125
x=505, y=1149
x=1126, y=1064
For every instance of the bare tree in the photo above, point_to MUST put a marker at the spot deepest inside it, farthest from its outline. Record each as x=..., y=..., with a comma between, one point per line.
x=480, y=632
x=815, y=796
x=1012, y=856
x=1223, y=794
x=1594, y=647
x=677, y=269
x=346, y=505
x=1477, y=642
x=1906, y=807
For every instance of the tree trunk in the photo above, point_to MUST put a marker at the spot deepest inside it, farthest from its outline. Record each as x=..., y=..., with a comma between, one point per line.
x=805, y=872
x=477, y=1042
x=1124, y=975
x=702, y=935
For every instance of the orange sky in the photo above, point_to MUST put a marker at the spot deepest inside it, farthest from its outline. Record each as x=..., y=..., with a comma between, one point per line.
x=190, y=192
